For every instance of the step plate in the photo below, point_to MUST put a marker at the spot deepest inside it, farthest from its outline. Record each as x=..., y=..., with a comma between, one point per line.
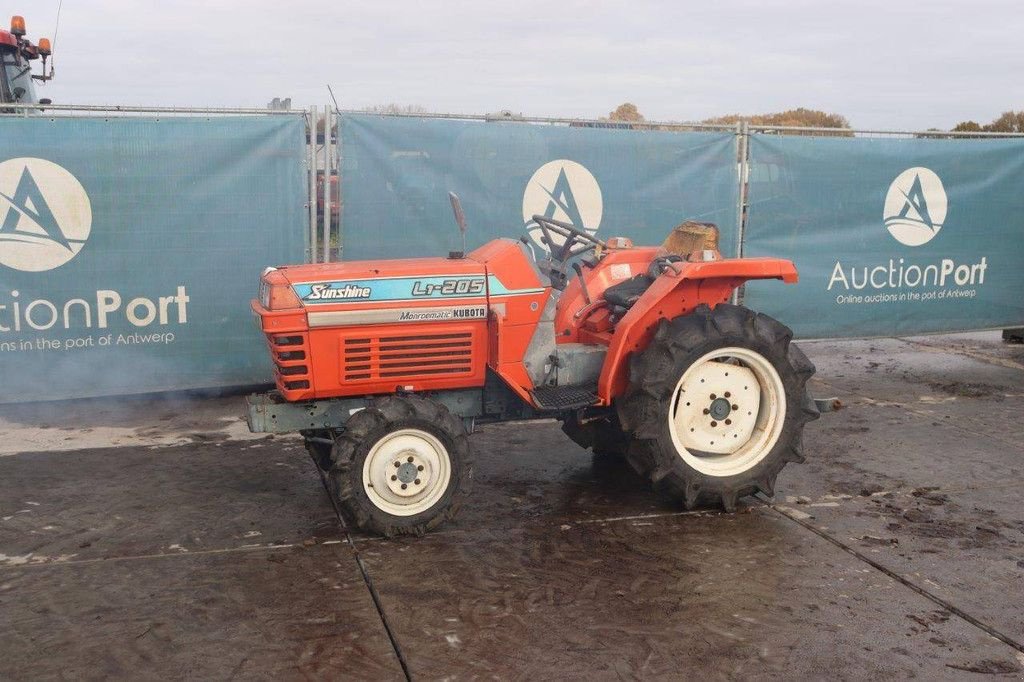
x=555, y=398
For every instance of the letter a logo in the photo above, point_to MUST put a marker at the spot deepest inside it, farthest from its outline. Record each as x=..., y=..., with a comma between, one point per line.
x=45, y=215
x=915, y=206
x=564, y=190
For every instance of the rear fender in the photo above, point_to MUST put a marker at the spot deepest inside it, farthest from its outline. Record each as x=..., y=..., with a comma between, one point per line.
x=672, y=295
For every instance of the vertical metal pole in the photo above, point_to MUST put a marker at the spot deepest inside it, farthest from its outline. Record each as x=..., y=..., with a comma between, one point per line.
x=327, y=185
x=742, y=132
x=311, y=180
x=338, y=157
x=743, y=173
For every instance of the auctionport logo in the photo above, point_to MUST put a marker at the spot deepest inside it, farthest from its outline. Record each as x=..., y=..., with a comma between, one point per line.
x=915, y=206
x=914, y=212
x=563, y=190
x=45, y=215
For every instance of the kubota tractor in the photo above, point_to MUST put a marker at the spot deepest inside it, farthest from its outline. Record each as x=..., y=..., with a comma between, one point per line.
x=386, y=366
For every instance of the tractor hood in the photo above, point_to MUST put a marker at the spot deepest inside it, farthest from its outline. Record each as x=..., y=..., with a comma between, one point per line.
x=412, y=279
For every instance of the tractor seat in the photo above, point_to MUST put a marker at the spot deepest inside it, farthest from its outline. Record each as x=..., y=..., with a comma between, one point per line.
x=625, y=294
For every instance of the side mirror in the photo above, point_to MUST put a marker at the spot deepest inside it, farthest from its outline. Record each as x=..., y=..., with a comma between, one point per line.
x=460, y=216
x=460, y=220
x=46, y=100
x=18, y=93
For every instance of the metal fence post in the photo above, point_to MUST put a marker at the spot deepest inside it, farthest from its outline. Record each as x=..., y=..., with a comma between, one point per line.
x=311, y=249
x=743, y=172
x=338, y=156
x=742, y=176
x=327, y=186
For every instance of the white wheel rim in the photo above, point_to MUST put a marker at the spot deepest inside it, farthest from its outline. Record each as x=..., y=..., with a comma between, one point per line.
x=406, y=472
x=727, y=411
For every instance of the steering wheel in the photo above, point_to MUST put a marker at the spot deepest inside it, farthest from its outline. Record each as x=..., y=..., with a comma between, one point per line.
x=572, y=236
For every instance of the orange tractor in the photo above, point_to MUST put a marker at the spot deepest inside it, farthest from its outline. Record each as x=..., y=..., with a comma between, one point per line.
x=386, y=366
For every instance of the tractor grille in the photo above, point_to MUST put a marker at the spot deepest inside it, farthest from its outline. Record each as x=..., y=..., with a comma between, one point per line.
x=290, y=353
x=372, y=358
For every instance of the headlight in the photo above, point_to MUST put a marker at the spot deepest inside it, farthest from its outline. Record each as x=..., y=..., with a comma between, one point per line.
x=276, y=292
x=264, y=294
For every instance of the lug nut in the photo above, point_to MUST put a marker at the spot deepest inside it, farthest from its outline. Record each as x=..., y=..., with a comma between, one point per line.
x=714, y=423
x=727, y=394
x=707, y=411
x=398, y=464
x=404, y=486
x=735, y=407
x=410, y=460
x=394, y=478
x=417, y=481
x=728, y=421
x=713, y=396
x=419, y=468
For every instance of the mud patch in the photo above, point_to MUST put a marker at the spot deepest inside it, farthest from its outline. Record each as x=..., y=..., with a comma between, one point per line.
x=987, y=667
x=920, y=519
x=926, y=621
x=962, y=389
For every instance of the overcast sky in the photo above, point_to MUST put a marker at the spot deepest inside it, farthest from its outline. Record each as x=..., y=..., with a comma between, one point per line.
x=895, y=64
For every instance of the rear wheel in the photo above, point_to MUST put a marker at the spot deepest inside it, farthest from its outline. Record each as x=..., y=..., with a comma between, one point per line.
x=401, y=466
x=717, y=404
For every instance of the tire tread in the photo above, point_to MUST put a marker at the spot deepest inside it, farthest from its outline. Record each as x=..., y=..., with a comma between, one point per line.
x=676, y=344
x=389, y=413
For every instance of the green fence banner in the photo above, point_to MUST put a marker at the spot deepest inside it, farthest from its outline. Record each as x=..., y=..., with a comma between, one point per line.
x=396, y=173
x=891, y=236
x=129, y=249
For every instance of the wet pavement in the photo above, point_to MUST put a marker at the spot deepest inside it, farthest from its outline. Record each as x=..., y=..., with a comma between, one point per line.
x=180, y=549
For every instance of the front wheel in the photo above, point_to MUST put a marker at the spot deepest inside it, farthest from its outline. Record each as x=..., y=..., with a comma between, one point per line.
x=717, y=404
x=401, y=466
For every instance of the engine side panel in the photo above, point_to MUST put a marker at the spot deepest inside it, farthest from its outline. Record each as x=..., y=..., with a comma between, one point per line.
x=374, y=327
x=369, y=359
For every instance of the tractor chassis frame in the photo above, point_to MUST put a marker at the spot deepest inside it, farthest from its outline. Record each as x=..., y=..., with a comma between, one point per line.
x=270, y=413
x=492, y=402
